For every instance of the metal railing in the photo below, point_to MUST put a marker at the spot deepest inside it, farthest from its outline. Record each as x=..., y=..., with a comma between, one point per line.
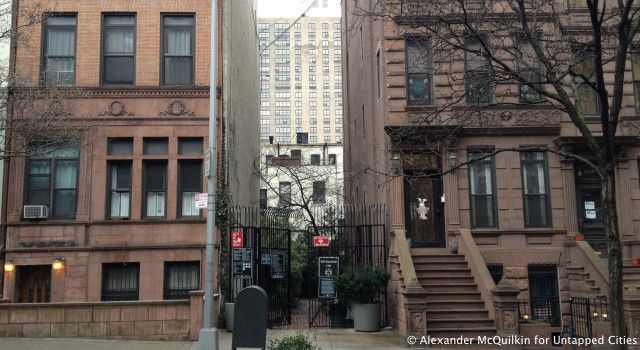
x=584, y=311
x=545, y=310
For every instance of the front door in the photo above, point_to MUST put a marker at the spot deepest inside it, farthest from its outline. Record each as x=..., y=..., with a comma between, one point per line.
x=589, y=206
x=424, y=209
x=33, y=284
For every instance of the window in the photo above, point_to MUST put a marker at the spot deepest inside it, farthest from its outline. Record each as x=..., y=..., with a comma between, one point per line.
x=119, y=189
x=586, y=99
x=315, y=159
x=120, y=146
x=332, y=159
x=190, y=145
x=120, y=281
x=263, y=199
x=635, y=63
x=190, y=184
x=531, y=70
x=155, y=146
x=118, y=49
x=154, y=189
x=496, y=272
x=319, y=192
x=177, y=49
x=535, y=189
x=284, y=194
x=543, y=294
x=59, y=46
x=482, y=191
x=52, y=180
x=478, y=76
x=268, y=159
x=180, y=278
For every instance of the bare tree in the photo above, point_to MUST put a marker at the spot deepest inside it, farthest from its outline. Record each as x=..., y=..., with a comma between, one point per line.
x=559, y=60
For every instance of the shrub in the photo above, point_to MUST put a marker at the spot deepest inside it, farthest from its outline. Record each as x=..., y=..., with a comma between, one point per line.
x=299, y=341
x=361, y=286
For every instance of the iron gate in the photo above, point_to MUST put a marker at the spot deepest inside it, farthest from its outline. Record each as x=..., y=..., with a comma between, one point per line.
x=353, y=245
x=584, y=311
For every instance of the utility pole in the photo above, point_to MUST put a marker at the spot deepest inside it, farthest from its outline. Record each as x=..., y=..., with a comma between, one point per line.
x=208, y=336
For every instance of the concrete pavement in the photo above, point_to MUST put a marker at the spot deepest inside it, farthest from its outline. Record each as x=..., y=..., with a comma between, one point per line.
x=327, y=339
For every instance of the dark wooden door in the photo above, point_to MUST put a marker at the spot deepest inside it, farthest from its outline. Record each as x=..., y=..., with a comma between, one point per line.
x=34, y=284
x=589, y=206
x=424, y=229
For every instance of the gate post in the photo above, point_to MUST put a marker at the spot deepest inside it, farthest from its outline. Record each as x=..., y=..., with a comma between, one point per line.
x=631, y=302
x=505, y=302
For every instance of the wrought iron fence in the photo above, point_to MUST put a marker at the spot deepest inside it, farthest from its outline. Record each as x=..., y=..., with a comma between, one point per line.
x=545, y=310
x=584, y=311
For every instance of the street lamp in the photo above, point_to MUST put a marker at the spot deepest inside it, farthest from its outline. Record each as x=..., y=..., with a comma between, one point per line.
x=453, y=160
x=396, y=161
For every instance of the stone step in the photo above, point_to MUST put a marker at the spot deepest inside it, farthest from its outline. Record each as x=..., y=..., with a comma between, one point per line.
x=459, y=313
x=453, y=287
x=437, y=258
x=446, y=280
x=452, y=332
x=444, y=271
x=461, y=323
x=451, y=295
x=455, y=304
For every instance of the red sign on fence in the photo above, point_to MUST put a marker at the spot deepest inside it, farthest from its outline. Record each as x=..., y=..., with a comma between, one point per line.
x=237, y=239
x=321, y=241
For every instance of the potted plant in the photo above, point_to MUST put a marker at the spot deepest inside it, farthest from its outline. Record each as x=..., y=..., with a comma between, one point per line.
x=635, y=261
x=578, y=236
x=361, y=289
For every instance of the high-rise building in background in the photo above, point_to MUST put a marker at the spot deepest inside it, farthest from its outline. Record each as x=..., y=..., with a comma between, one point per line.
x=301, y=79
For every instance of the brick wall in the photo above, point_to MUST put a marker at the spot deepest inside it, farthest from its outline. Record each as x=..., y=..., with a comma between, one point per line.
x=155, y=320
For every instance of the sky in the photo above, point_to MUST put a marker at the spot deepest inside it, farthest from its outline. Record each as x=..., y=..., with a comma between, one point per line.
x=293, y=8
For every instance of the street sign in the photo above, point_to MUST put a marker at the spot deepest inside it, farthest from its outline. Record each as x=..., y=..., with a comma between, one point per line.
x=201, y=200
x=321, y=241
x=241, y=263
x=237, y=239
x=328, y=266
x=207, y=162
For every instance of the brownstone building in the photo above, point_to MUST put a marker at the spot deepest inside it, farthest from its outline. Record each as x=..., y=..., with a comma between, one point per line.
x=510, y=216
x=117, y=211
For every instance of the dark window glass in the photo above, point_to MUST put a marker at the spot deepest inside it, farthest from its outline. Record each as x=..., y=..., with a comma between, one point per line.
x=319, y=192
x=263, y=199
x=155, y=146
x=190, y=184
x=120, y=281
x=120, y=146
x=52, y=180
x=155, y=189
x=285, y=194
x=332, y=159
x=482, y=192
x=119, y=189
x=177, y=49
x=543, y=294
x=315, y=159
x=190, y=145
x=478, y=75
x=180, y=278
x=531, y=70
x=118, y=49
x=496, y=271
x=296, y=153
x=59, y=50
x=268, y=159
x=535, y=190
x=419, y=72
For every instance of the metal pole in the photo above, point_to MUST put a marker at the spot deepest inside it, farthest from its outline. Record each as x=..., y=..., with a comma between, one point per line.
x=208, y=336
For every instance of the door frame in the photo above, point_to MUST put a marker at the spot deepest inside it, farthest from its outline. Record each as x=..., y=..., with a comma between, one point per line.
x=438, y=210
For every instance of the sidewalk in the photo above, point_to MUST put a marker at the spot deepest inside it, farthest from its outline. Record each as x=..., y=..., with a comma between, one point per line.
x=327, y=339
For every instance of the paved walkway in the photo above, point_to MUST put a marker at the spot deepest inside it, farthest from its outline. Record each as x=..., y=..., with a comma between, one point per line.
x=327, y=339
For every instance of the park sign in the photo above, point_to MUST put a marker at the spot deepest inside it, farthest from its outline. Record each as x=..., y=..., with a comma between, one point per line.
x=328, y=266
x=321, y=241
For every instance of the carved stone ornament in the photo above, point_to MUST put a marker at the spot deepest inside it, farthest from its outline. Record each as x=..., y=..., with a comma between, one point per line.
x=417, y=322
x=508, y=321
x=177, y=108
x=510, y=118
x=422, y=210
x=116, y=109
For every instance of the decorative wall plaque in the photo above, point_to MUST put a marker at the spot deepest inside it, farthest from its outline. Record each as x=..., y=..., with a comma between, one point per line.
x=177, y=108
x=116, y=109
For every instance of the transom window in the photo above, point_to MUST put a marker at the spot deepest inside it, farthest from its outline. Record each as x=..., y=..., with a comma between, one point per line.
x=118, y=48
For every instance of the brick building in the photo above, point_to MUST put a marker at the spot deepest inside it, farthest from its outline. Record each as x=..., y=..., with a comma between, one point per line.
x=117, y=211
x=395, y=79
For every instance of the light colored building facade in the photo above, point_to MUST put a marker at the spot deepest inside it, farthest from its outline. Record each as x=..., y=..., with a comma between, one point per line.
x=446, y=261
x=301, y=79
x=106, y=233
x=301, y=177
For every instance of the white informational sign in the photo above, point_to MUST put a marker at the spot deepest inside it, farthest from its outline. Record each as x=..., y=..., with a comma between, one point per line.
x=589, y=205
x=201, y=200
x=590, y=214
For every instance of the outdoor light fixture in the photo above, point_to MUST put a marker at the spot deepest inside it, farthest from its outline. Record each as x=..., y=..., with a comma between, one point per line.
x=605, y=316
x=453, y=160
x=526, y=317
x=9, y=265
x=58, y=264
x=395, y=161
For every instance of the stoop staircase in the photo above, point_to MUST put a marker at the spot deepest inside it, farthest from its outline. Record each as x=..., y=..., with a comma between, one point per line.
x=454, y=305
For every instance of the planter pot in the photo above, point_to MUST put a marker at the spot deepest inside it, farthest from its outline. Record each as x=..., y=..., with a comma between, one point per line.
x=228, y=311
x=366, y=317
x=635, y=261
x=578, y=238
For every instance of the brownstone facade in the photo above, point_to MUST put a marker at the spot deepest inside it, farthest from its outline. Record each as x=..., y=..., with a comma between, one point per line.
x=142, y=159
x=380, y=163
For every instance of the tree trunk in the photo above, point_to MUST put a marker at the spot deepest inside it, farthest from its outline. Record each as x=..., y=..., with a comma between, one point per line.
x=615, y=253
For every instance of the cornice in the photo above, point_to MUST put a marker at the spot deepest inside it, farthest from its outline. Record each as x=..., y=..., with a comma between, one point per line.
x=121, y=92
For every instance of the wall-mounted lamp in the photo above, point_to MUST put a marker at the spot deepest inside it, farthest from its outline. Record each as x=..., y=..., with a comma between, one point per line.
x=526, y=317
x=9, y=265
x=453, y=160
x=396, y=162
x=605, y=316
x=58, y=264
